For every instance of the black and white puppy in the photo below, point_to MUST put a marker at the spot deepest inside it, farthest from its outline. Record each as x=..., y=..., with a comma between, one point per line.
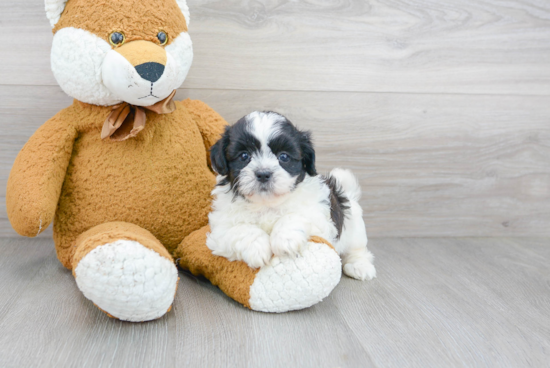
x=269, y=199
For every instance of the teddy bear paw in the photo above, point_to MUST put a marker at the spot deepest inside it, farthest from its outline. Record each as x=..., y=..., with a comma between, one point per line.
x=292, y=283
x=128, y=281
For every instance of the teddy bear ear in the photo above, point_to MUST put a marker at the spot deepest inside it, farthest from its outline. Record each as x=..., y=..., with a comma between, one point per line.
x=54, y=8
x=184, y=9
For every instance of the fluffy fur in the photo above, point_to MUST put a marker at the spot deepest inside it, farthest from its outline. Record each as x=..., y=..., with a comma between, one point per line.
x=269, y=199
x=126, y=210
x=90, y=69
x=54, y=9
x=87, y=180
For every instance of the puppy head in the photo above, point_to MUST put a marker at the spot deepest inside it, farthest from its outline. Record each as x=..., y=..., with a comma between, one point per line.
x=263, y=156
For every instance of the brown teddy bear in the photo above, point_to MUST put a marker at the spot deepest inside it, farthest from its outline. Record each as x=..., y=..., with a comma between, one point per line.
x=124, y=172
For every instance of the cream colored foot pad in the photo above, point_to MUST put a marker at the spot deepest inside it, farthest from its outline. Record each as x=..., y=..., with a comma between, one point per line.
x=290, y=283
x=128, y=281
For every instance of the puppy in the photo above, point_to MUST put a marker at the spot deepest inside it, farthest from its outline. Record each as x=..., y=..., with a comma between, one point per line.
x=269, y=199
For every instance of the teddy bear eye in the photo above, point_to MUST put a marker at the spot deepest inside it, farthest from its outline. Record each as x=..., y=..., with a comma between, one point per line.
x=163, y=37
x=116, y=38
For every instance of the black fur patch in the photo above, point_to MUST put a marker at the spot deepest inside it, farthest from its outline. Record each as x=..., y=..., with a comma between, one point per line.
x=297, y=144
x=224, y=155
x=339, y=204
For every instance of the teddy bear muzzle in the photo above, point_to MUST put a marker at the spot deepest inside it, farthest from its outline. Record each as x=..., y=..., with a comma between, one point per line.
x=138, y=73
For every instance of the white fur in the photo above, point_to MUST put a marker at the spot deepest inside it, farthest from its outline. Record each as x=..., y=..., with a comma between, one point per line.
x=245, y=242
x=127, y=280
x=229, y=213
x=185, y=10
x=76, y=59
x=348, y=182
x=260, y=223
x=54, y=8
x=264, y=126
x=122, y=79
x=352, y=245
x=290, y=234
x=289, y=224
x=181, y=51
x=281, y=183
x=88, y=69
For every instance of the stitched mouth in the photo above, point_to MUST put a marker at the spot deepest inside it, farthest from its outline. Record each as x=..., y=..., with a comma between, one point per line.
x=150, y=93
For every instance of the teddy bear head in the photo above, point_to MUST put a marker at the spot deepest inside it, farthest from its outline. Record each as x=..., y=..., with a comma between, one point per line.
x=108, y=51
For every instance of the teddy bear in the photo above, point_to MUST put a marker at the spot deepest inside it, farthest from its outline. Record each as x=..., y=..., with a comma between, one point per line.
x=124, y=172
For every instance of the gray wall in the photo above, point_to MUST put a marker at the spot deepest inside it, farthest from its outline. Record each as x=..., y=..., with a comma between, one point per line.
x=442, y=108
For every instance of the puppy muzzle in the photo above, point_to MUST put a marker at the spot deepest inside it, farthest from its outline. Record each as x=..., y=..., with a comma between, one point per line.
x=263, y=176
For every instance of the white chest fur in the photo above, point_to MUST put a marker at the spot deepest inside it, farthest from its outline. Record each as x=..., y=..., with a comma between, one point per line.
x=310, y=200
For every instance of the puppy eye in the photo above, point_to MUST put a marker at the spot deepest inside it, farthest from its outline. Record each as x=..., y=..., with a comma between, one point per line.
x=244, y=156
x=284, y=157
x=116, y=38
x=163, y=38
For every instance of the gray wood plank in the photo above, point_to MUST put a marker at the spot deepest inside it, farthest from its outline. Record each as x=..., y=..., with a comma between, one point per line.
x=454, y=302
x=23, y=109
x=429, y=165
x=51, y=324
x=437, y=302
x=450, y=46
x=238, y=337
x=20, y=261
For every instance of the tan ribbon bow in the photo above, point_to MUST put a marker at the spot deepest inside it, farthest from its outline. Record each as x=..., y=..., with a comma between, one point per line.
x=120, y=126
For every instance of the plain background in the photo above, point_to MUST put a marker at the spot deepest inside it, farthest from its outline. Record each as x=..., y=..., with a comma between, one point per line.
x=441, y=108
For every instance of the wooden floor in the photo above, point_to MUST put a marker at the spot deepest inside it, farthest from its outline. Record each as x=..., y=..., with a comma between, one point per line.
x=482, y=302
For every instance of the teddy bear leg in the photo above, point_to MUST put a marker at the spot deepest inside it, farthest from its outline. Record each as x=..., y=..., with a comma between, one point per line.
x=284, y=284
x=125, y=271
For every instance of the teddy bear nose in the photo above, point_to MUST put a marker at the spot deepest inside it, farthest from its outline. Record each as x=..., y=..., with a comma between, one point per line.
x=150, y=71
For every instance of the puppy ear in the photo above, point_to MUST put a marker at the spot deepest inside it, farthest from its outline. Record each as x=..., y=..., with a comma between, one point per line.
x=217, y=154
x=308, y=153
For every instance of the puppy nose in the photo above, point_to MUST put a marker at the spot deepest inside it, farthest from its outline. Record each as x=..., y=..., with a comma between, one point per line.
x=263, y=176
x=150, y=71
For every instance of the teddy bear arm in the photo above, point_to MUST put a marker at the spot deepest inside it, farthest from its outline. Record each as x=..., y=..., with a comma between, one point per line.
x=210, y=123
x=37, y=175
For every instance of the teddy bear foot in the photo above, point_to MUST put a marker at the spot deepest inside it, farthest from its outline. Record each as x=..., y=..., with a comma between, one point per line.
x=284, y=284
x=127, y=280
x=293, y=283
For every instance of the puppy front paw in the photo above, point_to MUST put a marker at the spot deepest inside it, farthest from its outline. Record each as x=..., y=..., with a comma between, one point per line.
x=255, y=249
x=288, y=242
x=360, y=269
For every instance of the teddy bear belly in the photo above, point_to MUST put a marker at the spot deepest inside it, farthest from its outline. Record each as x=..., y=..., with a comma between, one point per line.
x=163, y=187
